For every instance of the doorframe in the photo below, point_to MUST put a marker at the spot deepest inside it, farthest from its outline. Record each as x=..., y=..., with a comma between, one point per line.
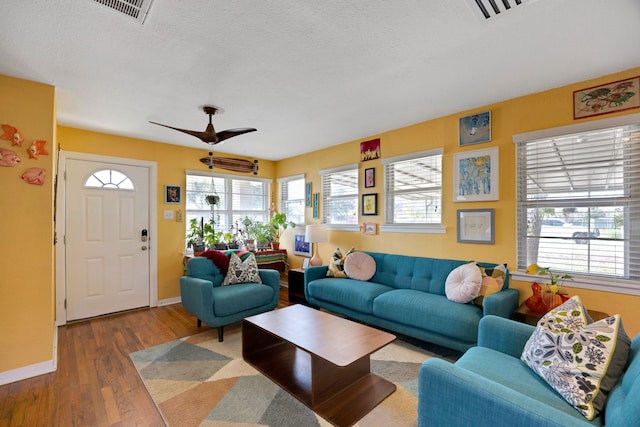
x=60, y=226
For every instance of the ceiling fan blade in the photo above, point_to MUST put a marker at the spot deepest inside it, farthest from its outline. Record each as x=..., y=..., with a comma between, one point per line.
x=230, y=133
x=209, y=138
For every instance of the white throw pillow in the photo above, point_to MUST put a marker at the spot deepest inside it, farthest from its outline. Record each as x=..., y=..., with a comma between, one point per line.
x=360, y=266
x=463, y=283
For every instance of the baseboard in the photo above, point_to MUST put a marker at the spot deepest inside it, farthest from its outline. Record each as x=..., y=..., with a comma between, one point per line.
x=34, y=370
x=169, y=301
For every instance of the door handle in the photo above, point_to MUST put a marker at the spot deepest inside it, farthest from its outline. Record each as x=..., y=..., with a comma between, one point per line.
x=144, y=248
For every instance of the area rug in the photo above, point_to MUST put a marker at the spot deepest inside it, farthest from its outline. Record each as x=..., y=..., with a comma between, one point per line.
x=198, y=381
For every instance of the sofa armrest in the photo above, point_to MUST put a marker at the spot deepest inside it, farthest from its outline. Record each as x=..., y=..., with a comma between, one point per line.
x=501, y=303
x=503, y=335
x=314, y=273
x=451, y=396
x=196, y=295
x=271, y=278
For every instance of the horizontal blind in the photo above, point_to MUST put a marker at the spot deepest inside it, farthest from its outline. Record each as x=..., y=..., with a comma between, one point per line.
x=292, y=198
x=340, y=196
x=413, y=190
x=578, y=202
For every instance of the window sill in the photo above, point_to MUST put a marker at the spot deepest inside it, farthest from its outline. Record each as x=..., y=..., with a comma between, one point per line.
x=413, y=228
x=596, y=284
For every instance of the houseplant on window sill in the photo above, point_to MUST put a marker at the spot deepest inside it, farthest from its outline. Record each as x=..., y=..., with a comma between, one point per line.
x=278, y=224
x=195, y=238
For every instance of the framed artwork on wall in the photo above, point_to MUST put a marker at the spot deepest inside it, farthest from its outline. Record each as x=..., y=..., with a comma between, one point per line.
x=609, y=98
x=316, y=207
x=369, y=178
x=475, y=128
x=370, y=150
x=476, y=175
x=370, y=228
x=476, y=226
x=172, y=194
x=300, y=247
x=370, y=204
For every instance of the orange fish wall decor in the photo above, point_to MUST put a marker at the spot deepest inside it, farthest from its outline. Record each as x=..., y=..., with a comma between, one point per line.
x=34, y=176
x=8, y=157
x=36, y=148
x=12, y=134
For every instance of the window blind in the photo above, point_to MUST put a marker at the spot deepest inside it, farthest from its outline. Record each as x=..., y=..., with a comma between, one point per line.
x=340, y=195
x=292, y=198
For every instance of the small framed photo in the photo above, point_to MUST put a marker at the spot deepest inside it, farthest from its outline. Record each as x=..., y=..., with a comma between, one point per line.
x=369, y=178
x=370, y=228
x=300, y=247
x=476, y=226
x=172, y=194
x=475, y=128
x=475, y=175
x=305, y=263
x=370, y=204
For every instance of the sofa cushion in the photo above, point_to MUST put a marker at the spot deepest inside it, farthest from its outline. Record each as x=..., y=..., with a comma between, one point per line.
x=354, y=294
x=463, y=283
x=408, y=307
x=581, y=362
x=492, y=282
x=230, y=300
x=359, y=266
x=336, y=265
x=242, y=271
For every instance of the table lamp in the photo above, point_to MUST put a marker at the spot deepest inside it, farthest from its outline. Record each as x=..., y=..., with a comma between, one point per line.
x=315, y=234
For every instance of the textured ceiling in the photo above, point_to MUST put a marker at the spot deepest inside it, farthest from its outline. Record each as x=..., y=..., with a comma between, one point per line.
x=306, y=74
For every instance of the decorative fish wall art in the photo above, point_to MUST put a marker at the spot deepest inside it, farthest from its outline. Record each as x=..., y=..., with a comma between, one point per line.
x=8, y=157
x=12, y=134
x=36, y=148
x=34, y=176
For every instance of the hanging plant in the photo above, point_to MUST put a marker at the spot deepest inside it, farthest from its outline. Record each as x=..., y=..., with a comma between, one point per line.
x=212, y=199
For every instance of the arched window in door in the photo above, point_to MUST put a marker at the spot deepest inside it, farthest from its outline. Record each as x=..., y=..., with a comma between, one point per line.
x=109, y=178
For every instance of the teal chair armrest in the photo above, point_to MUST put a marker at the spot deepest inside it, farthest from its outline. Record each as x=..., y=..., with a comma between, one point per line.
x=271, y=278
x=196, y=295
x=501, y=303
x=503, y=335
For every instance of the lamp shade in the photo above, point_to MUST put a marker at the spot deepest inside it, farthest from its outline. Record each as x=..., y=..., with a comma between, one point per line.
x=315, y=234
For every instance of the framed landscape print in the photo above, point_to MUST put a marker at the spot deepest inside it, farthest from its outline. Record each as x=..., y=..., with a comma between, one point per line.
x=475, y=175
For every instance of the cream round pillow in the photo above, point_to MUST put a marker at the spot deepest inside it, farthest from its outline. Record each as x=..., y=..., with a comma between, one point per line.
x=463, y=283
x=360, y=266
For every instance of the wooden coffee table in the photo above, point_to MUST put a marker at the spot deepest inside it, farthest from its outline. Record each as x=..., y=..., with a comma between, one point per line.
x=321, y=359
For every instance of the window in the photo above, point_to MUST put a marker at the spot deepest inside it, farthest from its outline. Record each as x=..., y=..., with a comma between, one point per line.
x=291, y=198
x=340, y=195
x=413, y=189
x=239, y=197
x=578, y=200
x=109, y=178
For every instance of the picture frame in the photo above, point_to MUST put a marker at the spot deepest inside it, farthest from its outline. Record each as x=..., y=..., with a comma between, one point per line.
x=172, y=194
x=316, y=203
x=305, y=263
x=607, y=98
x=476, y=175
x=370, y=204
x=476, y=226
x=369, y=178
x=474, y=128
x=300, y=246
x=307, y=194
x=370, y=228
x=370, y=150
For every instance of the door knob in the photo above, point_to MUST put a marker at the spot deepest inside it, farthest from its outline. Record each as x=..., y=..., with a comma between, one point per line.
x=144, y=248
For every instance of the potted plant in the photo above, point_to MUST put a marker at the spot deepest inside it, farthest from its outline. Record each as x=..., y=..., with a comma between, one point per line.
x=195, y=238
x=212, y=199
x=264, y=235
x=278, y=224
x=250, y=232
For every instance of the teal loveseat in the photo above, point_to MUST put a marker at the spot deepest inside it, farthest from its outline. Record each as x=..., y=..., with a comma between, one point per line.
x=406, y=295
x=204, y=297
x=489, y=386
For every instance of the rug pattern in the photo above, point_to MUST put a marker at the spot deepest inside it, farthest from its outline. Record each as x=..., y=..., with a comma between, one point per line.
x=198, y=381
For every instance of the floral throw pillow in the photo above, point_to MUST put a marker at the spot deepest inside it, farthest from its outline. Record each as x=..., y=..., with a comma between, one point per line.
x=242, y=271
x=336, y=265
x=581, y=361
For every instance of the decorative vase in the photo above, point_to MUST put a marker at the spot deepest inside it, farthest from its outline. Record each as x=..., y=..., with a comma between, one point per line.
x=551, y=300
x=275, y=245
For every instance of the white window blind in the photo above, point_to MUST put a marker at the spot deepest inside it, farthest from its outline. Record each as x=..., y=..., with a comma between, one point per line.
x=413, y=188
x=340, y=195
x=292, y=198
x=578, y=202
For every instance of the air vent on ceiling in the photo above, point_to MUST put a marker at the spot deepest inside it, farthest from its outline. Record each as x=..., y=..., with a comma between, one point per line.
x=137, y=9
x=485, y=9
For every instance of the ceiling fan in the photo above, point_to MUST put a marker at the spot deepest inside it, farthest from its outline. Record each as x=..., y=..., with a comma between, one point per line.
x=210, y=136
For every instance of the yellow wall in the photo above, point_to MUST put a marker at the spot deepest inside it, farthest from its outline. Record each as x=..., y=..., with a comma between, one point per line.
x=542, y=110
x=172, y=161
x=26, y=259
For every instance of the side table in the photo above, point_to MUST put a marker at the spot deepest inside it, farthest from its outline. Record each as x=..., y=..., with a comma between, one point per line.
x=524, y=315
x=296, y=286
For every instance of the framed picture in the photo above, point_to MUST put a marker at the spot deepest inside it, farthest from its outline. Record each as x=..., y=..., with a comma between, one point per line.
x=370, y=228
x=307, y=194
x=369, y=178
x=300, y=247
x=316, y=207
x=476, y=226
x=608, y=98
x=370, y=150
x=172, y=194
x=475, y=128
x=370, y=204
x=305, y=263
x=475, y=175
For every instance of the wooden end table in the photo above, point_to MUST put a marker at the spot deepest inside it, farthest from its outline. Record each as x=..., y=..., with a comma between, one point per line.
x=320, y=359
x=524, y=315
x=296, y=286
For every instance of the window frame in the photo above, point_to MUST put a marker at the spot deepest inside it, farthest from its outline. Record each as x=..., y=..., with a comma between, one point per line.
x=325, y=196
x=283, y=204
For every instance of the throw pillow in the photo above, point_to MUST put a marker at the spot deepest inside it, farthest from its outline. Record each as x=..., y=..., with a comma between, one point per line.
x=220, y=259
x=242, y=271
x=360, y=266
x=492, y=282
x=581, y=361
x=336, y=265
x=463, y=283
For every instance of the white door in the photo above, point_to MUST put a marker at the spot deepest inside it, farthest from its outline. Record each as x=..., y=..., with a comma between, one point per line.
x=107, y=248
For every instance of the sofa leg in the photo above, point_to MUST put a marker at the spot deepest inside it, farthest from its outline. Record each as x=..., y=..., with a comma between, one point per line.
x=199, y=323
x=220, y=333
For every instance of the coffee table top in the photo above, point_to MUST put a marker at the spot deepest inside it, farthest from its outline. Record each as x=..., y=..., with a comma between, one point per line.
x=337, y=340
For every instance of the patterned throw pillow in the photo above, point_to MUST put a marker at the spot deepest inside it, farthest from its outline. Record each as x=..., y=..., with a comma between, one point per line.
x=492, y=281
x=336, y=265
x=581, y=361
x=242, y=271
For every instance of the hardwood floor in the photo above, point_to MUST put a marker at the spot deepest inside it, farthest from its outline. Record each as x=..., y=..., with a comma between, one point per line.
x=95, y=383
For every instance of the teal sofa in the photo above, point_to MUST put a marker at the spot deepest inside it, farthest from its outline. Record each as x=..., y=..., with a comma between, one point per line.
x=489, y=386
x=204, y=297
x=406, y=295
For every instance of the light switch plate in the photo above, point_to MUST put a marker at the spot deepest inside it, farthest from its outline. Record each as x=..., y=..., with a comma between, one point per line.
x=168, y=214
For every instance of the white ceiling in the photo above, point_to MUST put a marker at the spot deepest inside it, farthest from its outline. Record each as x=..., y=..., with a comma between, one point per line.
x=306, y=74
